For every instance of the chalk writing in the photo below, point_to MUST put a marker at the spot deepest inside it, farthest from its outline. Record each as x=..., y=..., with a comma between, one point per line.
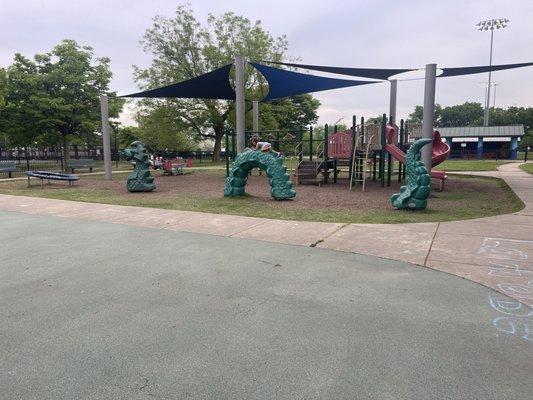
x=509, y=259
x=517, y=318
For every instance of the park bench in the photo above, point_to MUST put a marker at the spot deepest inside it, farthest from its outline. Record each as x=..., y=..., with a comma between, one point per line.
x=51, y=176
x=74, y=164
x=8, y=167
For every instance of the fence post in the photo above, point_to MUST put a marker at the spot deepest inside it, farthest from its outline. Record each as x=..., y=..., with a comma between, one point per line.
x=227, y=154
x=325, y=152
x=310, y=143
x=382, y=152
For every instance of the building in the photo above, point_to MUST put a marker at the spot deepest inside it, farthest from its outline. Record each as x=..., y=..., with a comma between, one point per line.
x=483, y=141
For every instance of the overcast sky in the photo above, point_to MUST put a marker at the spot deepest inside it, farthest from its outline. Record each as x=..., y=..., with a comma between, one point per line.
x=379, y=34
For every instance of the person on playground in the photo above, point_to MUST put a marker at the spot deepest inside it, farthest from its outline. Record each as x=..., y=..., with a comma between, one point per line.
x=263, y=146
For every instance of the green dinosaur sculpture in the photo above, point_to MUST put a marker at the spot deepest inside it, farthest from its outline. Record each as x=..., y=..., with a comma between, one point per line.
x=414, y=195
x=140, y=180
x=280, y=181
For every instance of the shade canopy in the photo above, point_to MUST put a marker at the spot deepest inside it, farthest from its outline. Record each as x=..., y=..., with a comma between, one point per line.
x=213, y=85
x=480, y=69
x=373, y=73
x=282, y=83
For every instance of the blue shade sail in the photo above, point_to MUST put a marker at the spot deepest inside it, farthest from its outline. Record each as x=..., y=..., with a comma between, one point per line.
x=373, y=73
x=282, y=83
x=480, y=69
x=213, y=85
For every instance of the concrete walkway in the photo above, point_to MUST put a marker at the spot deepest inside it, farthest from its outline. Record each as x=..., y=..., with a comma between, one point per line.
x=494, y=251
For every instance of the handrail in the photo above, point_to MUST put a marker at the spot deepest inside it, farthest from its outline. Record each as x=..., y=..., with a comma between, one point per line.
x=297, y=154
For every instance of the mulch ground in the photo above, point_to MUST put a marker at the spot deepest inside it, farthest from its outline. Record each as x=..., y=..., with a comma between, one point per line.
x=332, y=196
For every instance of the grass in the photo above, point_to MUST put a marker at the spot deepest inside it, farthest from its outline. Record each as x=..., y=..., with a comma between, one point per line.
x=470, y=165
x=528, y=167
x=445, y=206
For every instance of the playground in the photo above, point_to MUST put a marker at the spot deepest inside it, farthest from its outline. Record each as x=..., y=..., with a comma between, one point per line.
x=200, y=190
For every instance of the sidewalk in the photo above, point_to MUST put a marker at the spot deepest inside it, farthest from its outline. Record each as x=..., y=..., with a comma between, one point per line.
x=494, y=251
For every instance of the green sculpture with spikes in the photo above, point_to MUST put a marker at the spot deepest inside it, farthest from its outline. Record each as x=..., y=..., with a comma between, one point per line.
x=140, y=179
x=280, y=181
x=413, y=196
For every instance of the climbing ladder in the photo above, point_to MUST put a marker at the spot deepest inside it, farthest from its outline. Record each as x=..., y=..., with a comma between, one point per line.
x=360, y=163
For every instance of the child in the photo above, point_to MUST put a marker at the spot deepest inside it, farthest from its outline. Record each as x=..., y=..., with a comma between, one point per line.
x=263, y=146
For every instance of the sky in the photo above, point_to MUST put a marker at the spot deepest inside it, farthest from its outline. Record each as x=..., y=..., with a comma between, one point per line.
x=375, y=34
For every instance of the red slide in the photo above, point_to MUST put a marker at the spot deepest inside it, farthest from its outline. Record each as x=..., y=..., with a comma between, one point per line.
x=440, y=152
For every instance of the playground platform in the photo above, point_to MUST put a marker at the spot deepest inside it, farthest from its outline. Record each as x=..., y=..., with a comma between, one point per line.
x=494, y=251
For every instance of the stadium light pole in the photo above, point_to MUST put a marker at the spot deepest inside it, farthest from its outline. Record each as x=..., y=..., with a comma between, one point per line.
x=491, y=24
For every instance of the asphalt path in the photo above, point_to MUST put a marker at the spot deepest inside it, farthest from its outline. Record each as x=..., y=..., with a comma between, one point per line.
x=94, y=310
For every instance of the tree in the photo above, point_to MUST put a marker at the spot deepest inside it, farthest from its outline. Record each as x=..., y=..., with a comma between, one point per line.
x=183, y=49
x=417, y=116
x=162, y=129
x=56, y=95
x=527, y=140
x=467, y=114
x=126, y=135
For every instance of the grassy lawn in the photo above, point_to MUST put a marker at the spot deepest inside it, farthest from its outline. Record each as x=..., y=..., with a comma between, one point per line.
x=470, y=165
x=479, y=197
x=528, y=167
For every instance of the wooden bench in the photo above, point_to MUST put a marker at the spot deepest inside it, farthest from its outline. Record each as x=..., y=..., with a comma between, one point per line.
x=81, y=163
x=8, y=167
x=49, y=175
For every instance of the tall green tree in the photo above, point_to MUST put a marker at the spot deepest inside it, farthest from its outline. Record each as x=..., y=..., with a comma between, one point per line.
x=55, y=96
x=417, y=115
x=467, y=114
x=183, y=48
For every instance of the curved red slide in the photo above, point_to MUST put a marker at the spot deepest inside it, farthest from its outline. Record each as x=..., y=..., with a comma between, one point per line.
x=440, y=151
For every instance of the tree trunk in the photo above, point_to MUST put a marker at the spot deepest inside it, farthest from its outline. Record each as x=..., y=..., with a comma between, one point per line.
x=66, y=152
x=217, y=146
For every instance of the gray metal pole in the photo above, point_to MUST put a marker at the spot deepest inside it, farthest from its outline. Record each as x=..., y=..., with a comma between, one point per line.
x=106, y=141
x=255, y=105
x=487, y=103
x=428, y=115
x=393, y=97
x=239, y=103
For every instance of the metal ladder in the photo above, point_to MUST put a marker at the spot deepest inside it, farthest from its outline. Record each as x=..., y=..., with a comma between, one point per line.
x=360, y=158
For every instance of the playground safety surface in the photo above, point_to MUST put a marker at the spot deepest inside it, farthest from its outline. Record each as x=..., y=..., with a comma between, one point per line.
x=98, y=310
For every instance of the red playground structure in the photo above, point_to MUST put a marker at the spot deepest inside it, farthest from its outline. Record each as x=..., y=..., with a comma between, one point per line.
x=440, y=152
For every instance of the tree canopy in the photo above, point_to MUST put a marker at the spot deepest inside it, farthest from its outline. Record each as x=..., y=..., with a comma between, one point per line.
x=471, y=114
x=54, y=97
x=183, y=48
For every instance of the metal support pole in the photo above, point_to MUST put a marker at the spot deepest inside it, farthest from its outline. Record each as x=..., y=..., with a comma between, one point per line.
x=239, y=103
x=487, y=100
x=255, y=106
x=428, y=115
x=393, y=97
x=104, y=108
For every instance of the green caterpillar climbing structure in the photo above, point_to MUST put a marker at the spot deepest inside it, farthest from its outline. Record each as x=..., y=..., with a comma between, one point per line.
x=280, y=182
x=414, y=195
x=140, y=179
